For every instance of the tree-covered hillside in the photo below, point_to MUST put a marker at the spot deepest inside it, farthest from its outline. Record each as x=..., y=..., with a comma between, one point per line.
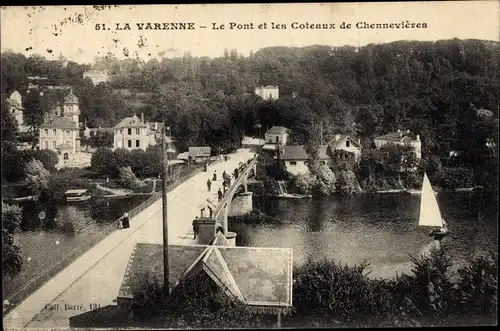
x=436, y=89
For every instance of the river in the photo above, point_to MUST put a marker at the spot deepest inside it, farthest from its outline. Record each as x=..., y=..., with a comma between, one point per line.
x=379, y=228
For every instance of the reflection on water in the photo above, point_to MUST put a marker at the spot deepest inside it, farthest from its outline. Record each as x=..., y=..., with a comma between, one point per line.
x=42, y=247
x=381, y=229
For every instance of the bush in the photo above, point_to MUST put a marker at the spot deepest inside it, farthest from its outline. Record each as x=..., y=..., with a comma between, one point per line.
x=197, y=302
x=129, y=180
x=456, y=177
x=271, y=186
x=478, y=287
x=71, y=220
x=303, y=183
x=12, y=260
x=326, y=288
x=48, y=158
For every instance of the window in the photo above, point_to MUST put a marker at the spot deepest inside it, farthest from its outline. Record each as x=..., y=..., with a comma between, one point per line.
x=46, y=132
x=270, y=95
x=270, y=140
x=66, y=156
x=67, y=132
x=137, y=131
x=53, y=144
x=121, y=131
x=277, y=139
x=323, y=162
x=46, y=144
x=137, y=143
x=129, y=131
x=347, y=143
x=129, y=142
x=293, y=163
x=54, y=132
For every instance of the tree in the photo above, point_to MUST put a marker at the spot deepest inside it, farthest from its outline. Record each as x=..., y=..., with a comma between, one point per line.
x=9, y=125
x=37, y=177
x=129, y=180
x=11, y=258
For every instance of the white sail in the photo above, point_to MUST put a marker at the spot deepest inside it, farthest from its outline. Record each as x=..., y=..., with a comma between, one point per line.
x=430, y=215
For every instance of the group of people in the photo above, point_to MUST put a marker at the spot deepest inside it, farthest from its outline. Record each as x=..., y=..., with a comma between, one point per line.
x=226, y=182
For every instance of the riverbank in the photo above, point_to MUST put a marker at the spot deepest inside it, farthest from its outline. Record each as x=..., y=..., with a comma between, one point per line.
x=45, y=252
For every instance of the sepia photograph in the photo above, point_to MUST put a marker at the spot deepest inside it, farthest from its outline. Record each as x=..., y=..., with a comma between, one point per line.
x=254, y=166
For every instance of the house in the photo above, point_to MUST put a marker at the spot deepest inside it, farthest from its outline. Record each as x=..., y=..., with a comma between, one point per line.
x=347, y=143
x=277, y=135
x=60, y=131
x=296, y=158
x=16, y=109
x=268, y=92
x=97, y=77
x=131, y=133
x=155, y=129
x=406, y=138
x=261, y=277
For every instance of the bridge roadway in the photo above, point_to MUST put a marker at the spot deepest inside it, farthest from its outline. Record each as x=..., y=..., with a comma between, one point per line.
x=95, y=277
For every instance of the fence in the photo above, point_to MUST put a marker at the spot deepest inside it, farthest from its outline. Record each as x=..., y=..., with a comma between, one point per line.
x=37, y=282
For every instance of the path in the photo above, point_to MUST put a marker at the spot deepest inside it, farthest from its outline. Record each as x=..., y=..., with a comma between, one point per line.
x=96, y=276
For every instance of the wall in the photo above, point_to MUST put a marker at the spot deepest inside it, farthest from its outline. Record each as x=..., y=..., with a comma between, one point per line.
x=270, y=138
x=121, y=137
x=267, y=93
x=299, y=168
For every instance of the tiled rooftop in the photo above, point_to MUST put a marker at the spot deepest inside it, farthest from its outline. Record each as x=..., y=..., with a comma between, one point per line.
x=258, y=275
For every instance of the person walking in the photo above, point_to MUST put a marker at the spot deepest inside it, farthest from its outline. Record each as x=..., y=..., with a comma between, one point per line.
x=215, y=176
x=209, y=184
x=219, y=194
x=236, y=173
x=224, y=174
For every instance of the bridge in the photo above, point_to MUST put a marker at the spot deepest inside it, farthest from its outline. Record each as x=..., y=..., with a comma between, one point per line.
x=206, y=226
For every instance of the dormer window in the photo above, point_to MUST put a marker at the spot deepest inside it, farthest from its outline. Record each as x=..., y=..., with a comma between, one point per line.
x=347, y=143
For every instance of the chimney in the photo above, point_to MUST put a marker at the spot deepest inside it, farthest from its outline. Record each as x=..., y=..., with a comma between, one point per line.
x=142, y=118
x=418, y=137
x=337, y=137
x=204, y=229
x=156, y=126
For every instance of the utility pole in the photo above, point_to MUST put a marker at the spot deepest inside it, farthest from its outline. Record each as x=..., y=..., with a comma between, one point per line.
x=164, y=163
x=321, y=131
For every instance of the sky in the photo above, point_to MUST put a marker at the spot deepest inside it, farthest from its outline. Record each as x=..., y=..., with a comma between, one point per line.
x=71, y=31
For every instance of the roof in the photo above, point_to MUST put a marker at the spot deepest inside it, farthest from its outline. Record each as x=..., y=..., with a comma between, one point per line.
x=60, y=123
x=278, y=130
x=152, y=125
x=70, y=97
x=100, y=129
x=130, y=122
x=334, y=143
x=402, y=136
x=268, y=86
x=256, y=275
x=298, y=152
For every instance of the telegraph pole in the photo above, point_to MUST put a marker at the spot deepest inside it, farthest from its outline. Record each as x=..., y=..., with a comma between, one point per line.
x=164, y=163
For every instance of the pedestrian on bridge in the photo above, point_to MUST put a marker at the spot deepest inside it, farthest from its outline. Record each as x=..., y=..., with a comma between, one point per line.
x=219, y=194
x=224, y=174
x=215, y=176
x=236, y=173
x=209, y=184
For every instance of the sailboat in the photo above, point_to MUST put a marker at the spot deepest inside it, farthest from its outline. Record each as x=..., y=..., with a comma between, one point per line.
x=430, y=215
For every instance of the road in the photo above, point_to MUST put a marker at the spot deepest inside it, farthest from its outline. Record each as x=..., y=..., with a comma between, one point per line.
x=95, y=277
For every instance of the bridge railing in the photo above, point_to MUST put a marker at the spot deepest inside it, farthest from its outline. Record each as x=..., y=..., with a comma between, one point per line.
x=244, y=170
